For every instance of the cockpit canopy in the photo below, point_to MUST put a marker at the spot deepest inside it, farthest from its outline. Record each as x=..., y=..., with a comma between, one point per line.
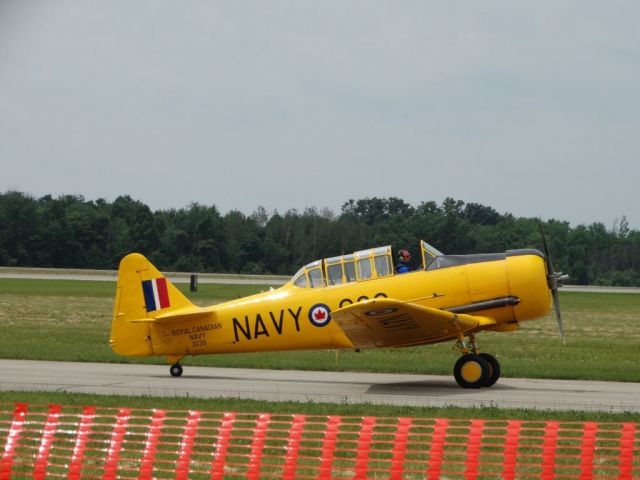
x=358, y=266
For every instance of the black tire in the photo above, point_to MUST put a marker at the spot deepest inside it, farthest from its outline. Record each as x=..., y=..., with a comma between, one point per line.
x=175, y=370
x=494, y=369
x=471, y=371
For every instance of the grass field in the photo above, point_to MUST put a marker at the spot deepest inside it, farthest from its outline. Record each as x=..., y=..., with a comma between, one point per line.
x=70, y=320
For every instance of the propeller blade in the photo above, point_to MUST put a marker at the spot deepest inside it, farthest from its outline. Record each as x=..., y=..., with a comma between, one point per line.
x=547, y=257
x=554, y=280
x=556, y=307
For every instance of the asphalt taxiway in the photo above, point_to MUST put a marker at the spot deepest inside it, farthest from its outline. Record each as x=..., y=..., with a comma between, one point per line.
x=312, y=386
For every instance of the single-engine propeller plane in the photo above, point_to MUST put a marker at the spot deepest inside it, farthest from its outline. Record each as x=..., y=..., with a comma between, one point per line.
x=353, y=301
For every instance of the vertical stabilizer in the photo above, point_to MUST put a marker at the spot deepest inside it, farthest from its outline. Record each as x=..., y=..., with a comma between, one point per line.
x=142, y=294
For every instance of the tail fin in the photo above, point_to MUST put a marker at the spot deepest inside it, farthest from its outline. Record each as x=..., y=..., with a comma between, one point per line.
x=142, y=295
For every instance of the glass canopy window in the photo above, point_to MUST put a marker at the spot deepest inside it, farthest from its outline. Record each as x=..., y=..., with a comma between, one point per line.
x=429, y=254
x=362, y=265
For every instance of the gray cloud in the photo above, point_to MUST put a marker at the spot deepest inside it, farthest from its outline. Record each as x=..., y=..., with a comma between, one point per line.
x=530, y=107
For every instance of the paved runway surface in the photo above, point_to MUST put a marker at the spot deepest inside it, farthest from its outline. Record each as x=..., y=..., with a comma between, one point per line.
x=305, y=386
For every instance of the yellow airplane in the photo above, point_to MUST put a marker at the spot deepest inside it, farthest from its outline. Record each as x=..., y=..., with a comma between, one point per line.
x=351, y=301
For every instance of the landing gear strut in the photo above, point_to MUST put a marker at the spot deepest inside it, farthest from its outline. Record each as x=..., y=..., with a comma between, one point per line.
x=175, y=370
x=475, y=369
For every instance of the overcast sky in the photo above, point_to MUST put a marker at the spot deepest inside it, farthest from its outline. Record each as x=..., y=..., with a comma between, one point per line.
x=530, y=107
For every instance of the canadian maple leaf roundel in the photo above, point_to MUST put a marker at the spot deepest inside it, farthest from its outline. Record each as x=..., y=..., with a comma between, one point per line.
x=320, y=315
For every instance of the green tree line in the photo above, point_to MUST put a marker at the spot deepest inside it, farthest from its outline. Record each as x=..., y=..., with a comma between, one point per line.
x=71, y=232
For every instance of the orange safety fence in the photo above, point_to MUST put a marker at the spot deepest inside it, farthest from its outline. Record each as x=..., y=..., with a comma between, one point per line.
x=39, y=441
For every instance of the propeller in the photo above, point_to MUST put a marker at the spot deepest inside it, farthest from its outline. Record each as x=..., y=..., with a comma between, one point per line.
x=554, y=280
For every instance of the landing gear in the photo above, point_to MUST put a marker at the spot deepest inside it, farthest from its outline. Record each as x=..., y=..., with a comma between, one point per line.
x=471, y=371
x=175, y=370
x=494, y=367
x=475, y=369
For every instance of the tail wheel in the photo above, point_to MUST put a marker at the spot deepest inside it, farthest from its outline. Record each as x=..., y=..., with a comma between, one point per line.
x=494, y=368
x=175, y=370
x=472, y=371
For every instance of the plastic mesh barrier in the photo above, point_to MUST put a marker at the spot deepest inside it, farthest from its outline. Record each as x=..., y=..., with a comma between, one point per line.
x=56, y=441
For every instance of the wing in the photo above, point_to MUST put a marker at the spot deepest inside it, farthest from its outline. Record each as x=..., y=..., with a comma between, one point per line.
x=392, y=323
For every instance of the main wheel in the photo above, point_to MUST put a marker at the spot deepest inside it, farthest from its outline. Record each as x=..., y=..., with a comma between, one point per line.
x=494, y=367
x=175, y=370
x=472, y=371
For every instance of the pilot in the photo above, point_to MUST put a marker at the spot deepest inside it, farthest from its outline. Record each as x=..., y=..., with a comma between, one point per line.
x=404, y=257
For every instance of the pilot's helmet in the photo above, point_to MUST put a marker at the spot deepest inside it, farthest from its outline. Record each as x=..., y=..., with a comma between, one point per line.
x=404, y=255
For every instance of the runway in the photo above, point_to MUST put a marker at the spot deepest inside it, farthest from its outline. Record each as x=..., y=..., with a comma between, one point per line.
x=224, y=278
x=306, y=386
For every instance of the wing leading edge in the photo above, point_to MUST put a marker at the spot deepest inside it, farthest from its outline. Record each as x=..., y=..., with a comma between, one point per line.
x=392, y=323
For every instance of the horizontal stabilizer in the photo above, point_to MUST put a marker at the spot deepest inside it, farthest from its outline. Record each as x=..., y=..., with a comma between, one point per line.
x=192, y=313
